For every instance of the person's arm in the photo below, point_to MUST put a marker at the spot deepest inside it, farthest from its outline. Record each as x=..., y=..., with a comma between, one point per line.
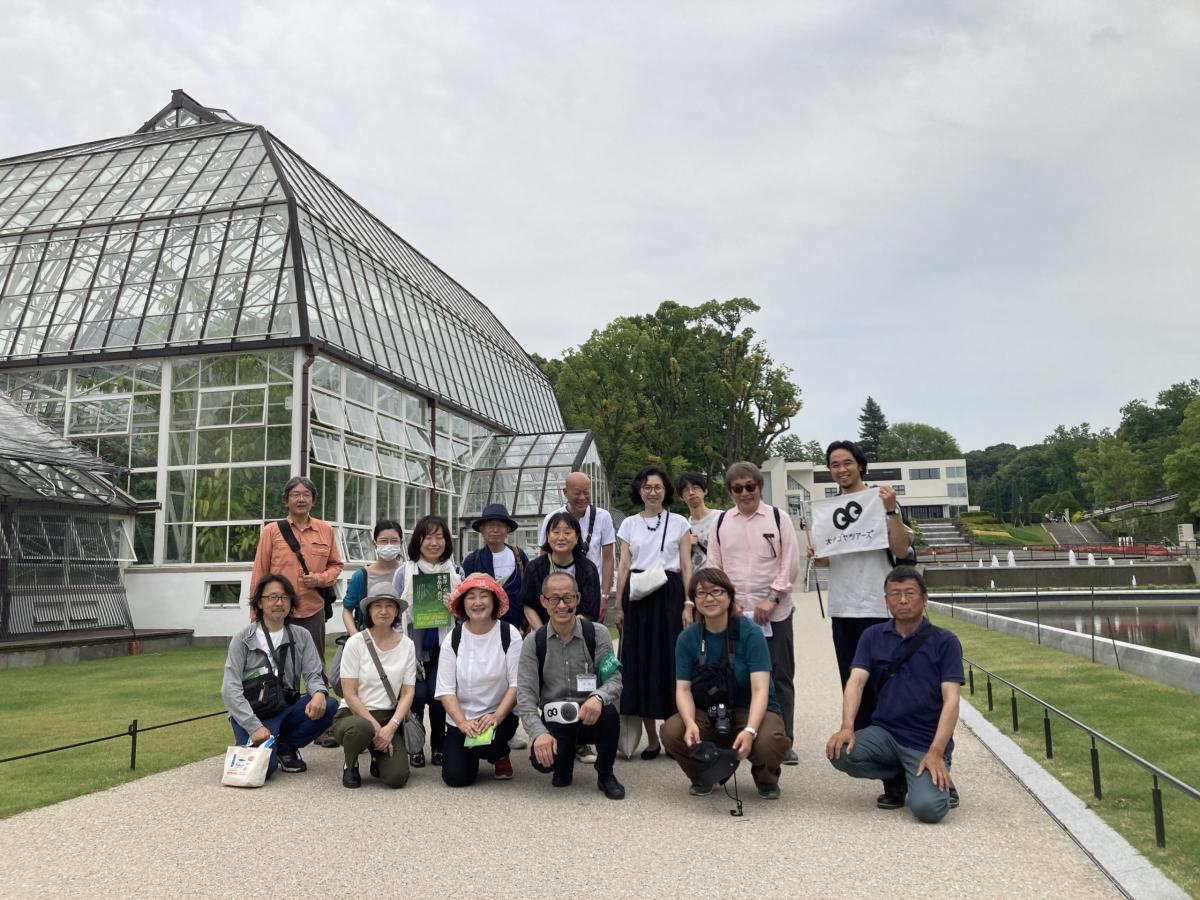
x=355, y=589
x=760, y=686
x=234, y=695
x=607, y=564
x=935, y=757
x=685, y=567
x=851, y=699
x=789, y=557
x=898, y=539
x=528, y=694
x=622, y=578
x=313, y=668
x=685, y=705
x=589, y=588
x=531, y=588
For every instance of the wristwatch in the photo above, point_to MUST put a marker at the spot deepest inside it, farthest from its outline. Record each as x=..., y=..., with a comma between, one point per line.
x=893, y=512
x=753, y=731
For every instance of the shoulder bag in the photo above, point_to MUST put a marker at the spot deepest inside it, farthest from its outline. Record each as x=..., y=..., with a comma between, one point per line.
x=414, y=731
x=644, y=582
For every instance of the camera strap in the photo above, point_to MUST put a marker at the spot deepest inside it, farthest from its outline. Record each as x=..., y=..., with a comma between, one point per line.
x=274, y=654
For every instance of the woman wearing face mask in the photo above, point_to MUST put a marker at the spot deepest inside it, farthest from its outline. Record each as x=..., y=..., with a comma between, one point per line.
x=430, y=552
x=388, y=538
x=562, y=552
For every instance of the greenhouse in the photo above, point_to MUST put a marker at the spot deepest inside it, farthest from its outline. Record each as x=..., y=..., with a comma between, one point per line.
x=200, y=308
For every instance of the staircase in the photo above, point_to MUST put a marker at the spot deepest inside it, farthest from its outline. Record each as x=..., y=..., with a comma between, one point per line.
x=943, y=534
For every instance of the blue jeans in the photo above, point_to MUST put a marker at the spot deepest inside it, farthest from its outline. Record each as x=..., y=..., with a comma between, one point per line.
x=877, y=754
x=292, y=728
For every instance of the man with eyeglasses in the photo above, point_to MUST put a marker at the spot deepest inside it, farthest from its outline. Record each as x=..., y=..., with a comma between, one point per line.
x=321, y=557
x=755, y=545
x=916, y=670
x=565, y=660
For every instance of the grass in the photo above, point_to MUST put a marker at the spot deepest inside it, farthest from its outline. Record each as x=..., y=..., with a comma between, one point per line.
x=1158, y=722
x=1000, y=535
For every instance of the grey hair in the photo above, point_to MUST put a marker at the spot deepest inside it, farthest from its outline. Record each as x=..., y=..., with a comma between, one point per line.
x=566, y=575
x=299, y=481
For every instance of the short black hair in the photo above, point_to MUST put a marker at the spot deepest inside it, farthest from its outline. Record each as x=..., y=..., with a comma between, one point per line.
x=854, y=450
x=905, y=573
x=558, y=518
x=385, y=524
x=690, y=478
x=260, y=588
x=635, y=486
x=428, y=525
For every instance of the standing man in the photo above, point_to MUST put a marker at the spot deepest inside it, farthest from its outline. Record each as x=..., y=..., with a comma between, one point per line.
x=917, y=670
x=316, y=542
x=596, y=526
x=856, y=600
x=755, y=545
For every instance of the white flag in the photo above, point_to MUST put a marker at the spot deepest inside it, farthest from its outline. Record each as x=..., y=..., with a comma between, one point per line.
x=849, y=523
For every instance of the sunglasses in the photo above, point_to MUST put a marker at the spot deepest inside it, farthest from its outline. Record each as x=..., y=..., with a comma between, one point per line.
x=743, y=488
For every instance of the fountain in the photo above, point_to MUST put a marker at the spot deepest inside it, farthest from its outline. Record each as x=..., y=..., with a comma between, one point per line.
x=1012, y=560
x=981, y=564
x=1133, y=581
x=995, y=562
x=1111, y=562
x=1091, y=559
x=991, y=585
x=1071, y=560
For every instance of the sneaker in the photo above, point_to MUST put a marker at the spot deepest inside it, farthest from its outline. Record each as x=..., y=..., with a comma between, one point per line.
x=436, y=758
x=561, y=781
x=517, y=742
x=351, y=778
x=700, y=790
x=585, y=753
x=612, y=788
x=503, y=769
x=888, y=800
x=769, y=793
x=290, y=761
x=791, y=759
x=953, y=797
x=417, y=760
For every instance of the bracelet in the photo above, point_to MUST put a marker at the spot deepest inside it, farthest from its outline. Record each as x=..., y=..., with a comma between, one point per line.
x=753, y=731
x=688, y=603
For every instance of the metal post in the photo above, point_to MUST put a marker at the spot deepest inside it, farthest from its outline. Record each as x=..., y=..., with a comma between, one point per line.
x=1046, y=728
x=133, y=731
x=1096, y=772
x=1037, y=606
x=971, y=679
x=1014, y=711
x=1160, y=831
x=1093, y=623
x=991, y=706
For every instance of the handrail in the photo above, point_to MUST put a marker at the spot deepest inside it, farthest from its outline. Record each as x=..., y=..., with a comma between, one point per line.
x=1156, y=773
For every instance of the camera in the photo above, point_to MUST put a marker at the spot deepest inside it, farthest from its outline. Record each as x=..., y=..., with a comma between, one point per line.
x=564, y=712
x=719, y=715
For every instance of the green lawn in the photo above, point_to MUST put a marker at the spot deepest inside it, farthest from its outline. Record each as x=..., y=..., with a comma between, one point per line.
x=1158, y=722
x=1012, y=536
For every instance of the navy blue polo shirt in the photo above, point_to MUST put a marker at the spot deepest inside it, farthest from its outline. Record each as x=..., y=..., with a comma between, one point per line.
x=911, y=701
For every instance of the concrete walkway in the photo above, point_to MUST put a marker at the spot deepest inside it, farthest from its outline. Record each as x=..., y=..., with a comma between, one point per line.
x=180, y=834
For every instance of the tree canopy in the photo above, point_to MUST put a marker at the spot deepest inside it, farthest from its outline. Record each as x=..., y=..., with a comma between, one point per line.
x=915, y=440
x=793, y=449
x=872, y=424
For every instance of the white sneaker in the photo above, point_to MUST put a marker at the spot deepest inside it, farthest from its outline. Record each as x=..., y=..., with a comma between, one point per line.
x=585, y=753
x=517, y=743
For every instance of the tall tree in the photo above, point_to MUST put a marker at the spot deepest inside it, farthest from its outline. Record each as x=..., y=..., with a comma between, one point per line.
x=916, y=440
x=793, y=449
x=1182, y=468
x=871, y=426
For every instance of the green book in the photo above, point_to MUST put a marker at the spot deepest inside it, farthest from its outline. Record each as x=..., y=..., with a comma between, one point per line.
x=430, y=593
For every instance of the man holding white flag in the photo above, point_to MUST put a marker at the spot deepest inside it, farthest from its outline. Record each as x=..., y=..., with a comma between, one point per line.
x=850, y=542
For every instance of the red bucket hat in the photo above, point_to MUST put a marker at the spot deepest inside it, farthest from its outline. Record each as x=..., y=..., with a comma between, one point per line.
x=477, y=580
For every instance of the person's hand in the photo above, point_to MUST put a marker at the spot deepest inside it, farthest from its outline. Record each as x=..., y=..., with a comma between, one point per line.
x=309, y=580
x=544, y=748
x=936, y=764
x=261, y=733
x=743, y=743
x=315, y=708
x=382, y=744
x=834, y=744
x=811, y=551
x=693, y=540
x=590, y=709
x=619, y=617
x=691, y=735
x=486, y=721
x=887, y=494
x=763, y=610
x=689, y=615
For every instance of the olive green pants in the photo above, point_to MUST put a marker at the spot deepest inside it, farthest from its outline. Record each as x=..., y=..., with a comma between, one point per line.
x=354, y=734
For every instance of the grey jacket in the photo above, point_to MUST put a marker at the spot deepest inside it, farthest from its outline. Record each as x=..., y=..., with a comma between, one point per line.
x=246, y=657
x=563, y=663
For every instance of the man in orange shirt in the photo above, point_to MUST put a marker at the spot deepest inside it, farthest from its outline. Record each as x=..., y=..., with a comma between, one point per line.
x=321, y=556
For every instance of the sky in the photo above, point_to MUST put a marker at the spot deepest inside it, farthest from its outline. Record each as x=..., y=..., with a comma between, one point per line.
x=981, y=214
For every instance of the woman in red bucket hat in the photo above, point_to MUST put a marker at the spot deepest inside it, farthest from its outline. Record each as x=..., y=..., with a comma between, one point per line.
x=477, y=682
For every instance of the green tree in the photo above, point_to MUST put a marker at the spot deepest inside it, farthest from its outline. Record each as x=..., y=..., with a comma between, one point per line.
x=1181, y=469
x=915, y=440
x=793, y=449
x=872, y=424
x=1109, y=470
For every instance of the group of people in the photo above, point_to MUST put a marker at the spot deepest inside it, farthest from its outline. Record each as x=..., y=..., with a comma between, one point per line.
x=704, y=610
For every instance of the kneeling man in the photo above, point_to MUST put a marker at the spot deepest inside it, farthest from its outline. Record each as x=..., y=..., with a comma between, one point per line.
x=564, y=698
x=916, y=669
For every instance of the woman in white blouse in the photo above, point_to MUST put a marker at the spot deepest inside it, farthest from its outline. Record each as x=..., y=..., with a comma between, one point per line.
x=379, y=676
x=651, y=625
x=477, y=682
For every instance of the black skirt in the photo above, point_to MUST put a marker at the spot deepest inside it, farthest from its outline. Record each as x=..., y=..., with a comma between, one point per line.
x=652, y=626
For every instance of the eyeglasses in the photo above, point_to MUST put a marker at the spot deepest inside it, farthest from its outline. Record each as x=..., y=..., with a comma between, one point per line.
x=744, y=488
x=561, y=600
x=652, y=488
x=300, y=495
x=905, y=595
x=712, y=594
x=271, y=598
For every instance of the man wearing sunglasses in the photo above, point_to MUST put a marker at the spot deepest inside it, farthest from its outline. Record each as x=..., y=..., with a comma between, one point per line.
x=755, y=545
x=563, y=695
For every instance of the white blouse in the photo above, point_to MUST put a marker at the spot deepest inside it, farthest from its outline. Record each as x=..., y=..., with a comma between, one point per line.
x=645, y=540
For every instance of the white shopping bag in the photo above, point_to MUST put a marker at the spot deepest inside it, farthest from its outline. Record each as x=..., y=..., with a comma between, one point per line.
x=247, y=766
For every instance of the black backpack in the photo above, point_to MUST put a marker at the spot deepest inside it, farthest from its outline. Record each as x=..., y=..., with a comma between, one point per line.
x=456, y=637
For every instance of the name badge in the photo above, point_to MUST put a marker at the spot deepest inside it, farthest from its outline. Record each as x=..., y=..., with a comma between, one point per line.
x=585, y=684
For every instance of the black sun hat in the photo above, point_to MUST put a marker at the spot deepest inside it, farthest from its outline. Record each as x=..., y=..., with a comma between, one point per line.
x=717, y=764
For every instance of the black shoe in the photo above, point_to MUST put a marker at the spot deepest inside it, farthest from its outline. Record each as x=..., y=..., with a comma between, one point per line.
x=327, y=739
x=417, y=760
x=651, y=753
x=612, y=788
x=791, y=759
x=895, y=791
x=290, y=761
x=374, y=766
x=436, y=758
x=561, y=780
x=953, y=797
x=350, y=777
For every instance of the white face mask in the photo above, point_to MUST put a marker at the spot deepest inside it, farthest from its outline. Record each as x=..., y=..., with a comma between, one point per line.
x=387, y=552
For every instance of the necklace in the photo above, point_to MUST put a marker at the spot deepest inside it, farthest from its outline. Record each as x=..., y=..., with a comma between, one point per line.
x=657, y=522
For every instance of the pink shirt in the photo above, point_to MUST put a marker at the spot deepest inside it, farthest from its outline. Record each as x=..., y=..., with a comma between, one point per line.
x=753, y=563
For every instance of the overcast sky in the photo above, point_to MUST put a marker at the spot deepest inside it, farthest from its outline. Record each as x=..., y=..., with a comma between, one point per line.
x=982, y=214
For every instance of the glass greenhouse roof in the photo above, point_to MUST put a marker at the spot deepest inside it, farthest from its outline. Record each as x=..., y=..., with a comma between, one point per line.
x=527, y=472
x=204, y=232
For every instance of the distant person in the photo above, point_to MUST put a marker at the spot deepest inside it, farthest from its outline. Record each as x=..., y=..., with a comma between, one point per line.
x=755, y=545
x=917, y=670
x=856, y=600
x=499, y=560
x=271, y=648
x=316, y=543
x=693, y=490
x=597, y=537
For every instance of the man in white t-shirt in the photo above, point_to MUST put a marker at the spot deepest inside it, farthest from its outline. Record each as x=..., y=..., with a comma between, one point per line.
x=596, y=525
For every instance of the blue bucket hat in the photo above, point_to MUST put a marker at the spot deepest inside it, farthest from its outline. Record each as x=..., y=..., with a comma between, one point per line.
x=495, y=512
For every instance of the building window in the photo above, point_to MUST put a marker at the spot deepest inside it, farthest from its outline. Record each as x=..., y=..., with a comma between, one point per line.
x=832, y=492
x=924, y=474
x=956, y=471
x=899, y=489
x=956, y=489
x=223, y=593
